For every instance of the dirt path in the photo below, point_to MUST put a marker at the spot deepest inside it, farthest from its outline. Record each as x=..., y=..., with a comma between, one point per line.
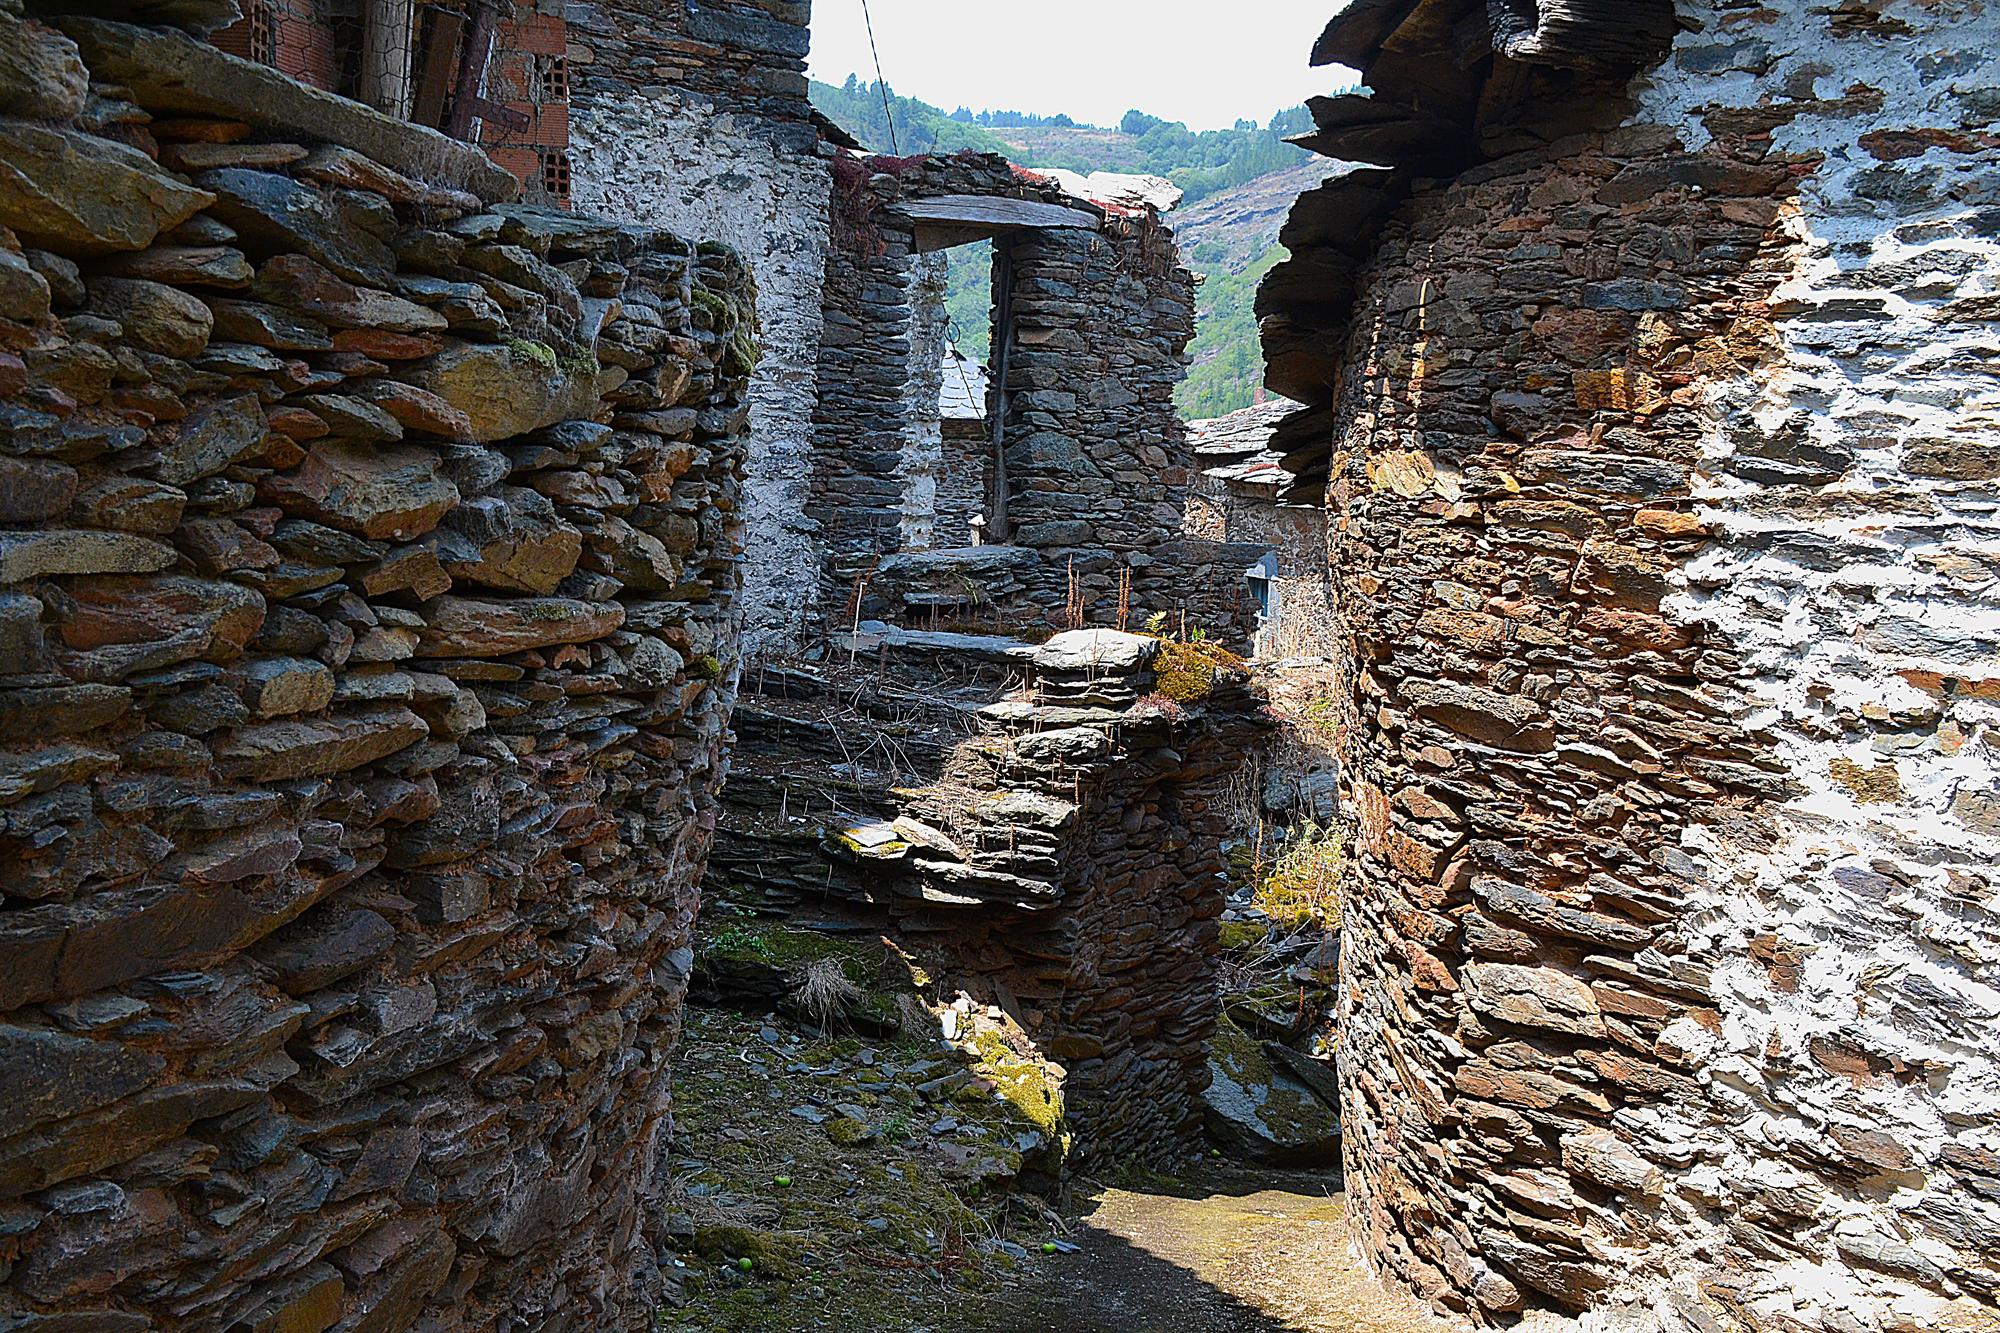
x=1229, y=1252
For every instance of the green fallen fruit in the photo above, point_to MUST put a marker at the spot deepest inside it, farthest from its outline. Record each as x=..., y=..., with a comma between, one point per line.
x=1048, y=1247
x=746, y=1263
x=783, y=1182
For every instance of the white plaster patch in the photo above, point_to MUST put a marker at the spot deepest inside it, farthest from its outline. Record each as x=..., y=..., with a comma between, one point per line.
x=663, y=160
x=1867, y=614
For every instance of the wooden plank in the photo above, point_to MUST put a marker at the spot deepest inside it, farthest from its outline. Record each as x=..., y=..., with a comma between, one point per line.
x=440, y=66
x=471, y=73
x=983, y=215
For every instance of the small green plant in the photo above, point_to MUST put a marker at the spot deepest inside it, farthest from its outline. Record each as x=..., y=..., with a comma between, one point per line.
x=1301, y=886
x=897, y=1128
x=739, y=938
x=1156, y=624
x=1322, y=718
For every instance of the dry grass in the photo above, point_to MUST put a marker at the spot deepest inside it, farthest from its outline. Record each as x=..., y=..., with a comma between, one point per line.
x=823, y=992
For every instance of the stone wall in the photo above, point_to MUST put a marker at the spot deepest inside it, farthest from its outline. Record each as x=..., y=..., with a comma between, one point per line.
x=965, y=477
x=1654, y=488
x=1098, y=465
x=366, y=619
x=1235, y=503
x=1063, y=861
x=694, y=117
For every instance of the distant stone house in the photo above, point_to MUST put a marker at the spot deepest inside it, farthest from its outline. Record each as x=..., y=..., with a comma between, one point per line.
x=1242, y=496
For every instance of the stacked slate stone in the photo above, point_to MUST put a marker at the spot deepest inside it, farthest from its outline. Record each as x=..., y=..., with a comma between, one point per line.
x=366, y=585
x=1659, y=450
x=1066, y=855
x=1098, y=465
x=738, y=56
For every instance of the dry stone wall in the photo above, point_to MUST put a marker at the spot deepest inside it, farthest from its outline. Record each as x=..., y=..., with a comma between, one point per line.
x=694, y=117
x=1660, y=491
x=1064, y=861
x=1098, y=465
x=367, y=571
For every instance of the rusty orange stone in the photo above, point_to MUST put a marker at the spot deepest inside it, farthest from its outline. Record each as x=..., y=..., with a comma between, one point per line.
x=387, y=346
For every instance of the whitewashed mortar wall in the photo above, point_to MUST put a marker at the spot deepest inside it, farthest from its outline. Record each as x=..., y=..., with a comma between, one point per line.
x=1849, y=602
x=923, y=450
x=664, y=160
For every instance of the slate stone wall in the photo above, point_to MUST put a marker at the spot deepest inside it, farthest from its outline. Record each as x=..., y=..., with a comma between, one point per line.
x=1660, y=484
x=1063, y=862
x=694, y=118
x=1098, y=465
x=367, y=578
x=965, y=477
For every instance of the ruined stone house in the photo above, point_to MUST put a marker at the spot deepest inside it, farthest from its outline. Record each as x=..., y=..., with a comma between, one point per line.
x=370, y=587
x=1647, y=363
x=380, y=555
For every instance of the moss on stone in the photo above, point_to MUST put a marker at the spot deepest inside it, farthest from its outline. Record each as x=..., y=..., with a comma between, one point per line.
x=1186, y=672
x=538, y=352
x=1024, y=1083
x=1290, y=1112
x=783, y=947
x=1239, y=935
x=847, y=1131
x=769, y=1254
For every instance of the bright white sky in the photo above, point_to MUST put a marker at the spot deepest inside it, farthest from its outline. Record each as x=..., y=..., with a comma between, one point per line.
x=1189, y=60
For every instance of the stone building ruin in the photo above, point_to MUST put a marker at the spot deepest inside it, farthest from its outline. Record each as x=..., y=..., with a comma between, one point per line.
x=1646, y=371
x=466, y=501
x=370, y=574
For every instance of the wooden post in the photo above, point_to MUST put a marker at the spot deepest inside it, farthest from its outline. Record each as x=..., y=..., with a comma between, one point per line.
x=388, y=35
x=466, y=101
x=1003, y=333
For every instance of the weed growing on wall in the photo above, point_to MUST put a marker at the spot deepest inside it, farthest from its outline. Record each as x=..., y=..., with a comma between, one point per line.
x=1301, y=885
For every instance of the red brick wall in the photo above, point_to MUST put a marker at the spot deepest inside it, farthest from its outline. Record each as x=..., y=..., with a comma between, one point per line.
x=287, y=34
x=528, y=73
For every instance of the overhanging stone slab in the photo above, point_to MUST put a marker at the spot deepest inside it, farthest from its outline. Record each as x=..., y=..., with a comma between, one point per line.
x=956, y=219
x=172, y=72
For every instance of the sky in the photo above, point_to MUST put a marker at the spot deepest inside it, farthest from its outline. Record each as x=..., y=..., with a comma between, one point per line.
x=1196, y=61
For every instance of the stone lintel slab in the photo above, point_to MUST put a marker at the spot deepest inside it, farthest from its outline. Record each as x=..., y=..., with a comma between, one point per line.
x=172, y=72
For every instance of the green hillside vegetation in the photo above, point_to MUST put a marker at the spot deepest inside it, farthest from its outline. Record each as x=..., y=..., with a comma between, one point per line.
x=1227, y=361
x=1227, y=358
x=920, y=127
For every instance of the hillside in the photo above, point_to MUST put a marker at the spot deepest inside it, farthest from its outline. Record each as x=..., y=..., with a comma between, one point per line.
x=1231, y=239
x=1238, y=184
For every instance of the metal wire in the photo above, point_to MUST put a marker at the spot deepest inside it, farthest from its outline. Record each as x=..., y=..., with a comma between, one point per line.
x=881, y=83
